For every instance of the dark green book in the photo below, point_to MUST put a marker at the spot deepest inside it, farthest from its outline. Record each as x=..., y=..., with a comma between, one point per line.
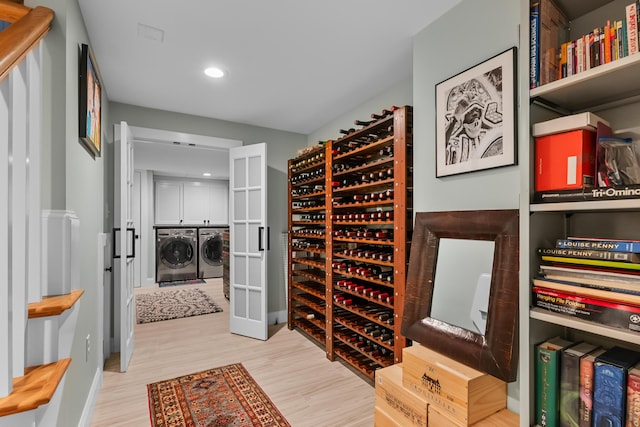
x=547, y=366
x=570, y=383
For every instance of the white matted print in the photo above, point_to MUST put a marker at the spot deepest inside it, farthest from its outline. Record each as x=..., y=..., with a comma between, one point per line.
x=475, y=117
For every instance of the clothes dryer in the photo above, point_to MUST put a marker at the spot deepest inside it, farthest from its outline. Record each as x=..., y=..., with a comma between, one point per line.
x=210, y=244
x=177, y=250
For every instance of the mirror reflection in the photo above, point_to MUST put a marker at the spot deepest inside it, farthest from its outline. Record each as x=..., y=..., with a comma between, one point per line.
x=462, y=283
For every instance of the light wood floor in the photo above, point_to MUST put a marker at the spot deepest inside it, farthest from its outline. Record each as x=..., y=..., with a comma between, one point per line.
x=306, y=387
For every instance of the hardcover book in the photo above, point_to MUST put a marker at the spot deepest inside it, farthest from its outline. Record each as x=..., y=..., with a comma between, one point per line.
x=592, y=262
x=633, y=396
x=570, y=382
x=599, y=244
x=622, y=296
x=578, y=273
x=591, y=253
x=588, y=194
x=610, y=386
x=534, y=66
x=609, y=313
x=586, y=387
x=547, y=366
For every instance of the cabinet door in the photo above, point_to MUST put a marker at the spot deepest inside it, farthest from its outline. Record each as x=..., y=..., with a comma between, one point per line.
x=168, y=202
x=196, y=203
x=219, y=202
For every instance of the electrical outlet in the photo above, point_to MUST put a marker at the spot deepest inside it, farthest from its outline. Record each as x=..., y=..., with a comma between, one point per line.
x=88, y=347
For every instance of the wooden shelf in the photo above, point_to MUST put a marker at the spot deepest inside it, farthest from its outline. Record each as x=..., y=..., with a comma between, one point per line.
x=54, y=306
x=609, y=205
x=35, y=388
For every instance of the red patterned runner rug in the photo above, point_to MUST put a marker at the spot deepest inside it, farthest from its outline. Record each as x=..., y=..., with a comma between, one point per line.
x=224, y=396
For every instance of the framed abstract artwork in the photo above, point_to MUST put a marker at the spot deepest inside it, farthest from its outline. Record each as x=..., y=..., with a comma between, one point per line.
x=476, y=117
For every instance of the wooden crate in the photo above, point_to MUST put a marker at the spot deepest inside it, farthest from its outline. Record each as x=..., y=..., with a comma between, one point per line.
x=456, y=390
x=403, y=405
x=503, y=418
x=383, y=419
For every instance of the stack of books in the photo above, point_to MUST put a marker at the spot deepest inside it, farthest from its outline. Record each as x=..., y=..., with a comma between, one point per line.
x=583, y=384
x=592, y=279
x=554, y=57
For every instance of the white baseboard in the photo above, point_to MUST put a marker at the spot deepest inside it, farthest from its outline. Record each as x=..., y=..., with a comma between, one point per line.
x=92, y=398
x=276, y=317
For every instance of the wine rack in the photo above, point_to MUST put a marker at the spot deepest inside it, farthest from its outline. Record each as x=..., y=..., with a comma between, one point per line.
x=349, y=237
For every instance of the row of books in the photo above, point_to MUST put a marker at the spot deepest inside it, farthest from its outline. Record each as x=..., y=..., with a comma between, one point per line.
x=613, y=40
x=591, y=279
x=582, y=384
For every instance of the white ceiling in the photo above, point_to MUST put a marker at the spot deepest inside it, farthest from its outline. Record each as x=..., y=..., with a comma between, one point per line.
x=292, y=65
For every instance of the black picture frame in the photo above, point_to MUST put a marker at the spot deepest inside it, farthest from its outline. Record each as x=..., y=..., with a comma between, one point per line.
x=476, y=124
x=90, y=102
x=495, y=352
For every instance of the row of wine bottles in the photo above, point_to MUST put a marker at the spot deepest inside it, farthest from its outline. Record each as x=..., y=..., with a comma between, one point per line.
x=303, y=191
x=303, y=177
x=363, y=216
x=357, y=359
x=305, y=244
x=308, y=161
x=364, y=233
x=365, y=345
x=380, y=272
x=368, y=252
x=352, y=162
x=367, y=290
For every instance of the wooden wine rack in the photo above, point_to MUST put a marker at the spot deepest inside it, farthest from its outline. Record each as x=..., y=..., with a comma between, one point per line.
x=365, y=332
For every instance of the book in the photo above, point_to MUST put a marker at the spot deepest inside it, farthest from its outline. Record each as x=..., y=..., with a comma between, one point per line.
x=593, y=262
x=619, y=279
x=586, y=121
x=609, y=313
x=622, y=296
x=633, y=396
x=534, y=66
x=547, y=365
x=553, y=24
x=630, y=288
x=631, y=20
x=610, y=386
x=586, y=387
x=603, y=244
x=570, y=382
x=591, y=253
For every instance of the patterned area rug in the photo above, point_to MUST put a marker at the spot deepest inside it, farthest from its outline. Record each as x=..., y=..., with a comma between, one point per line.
x=224, y=396
x=173, y=304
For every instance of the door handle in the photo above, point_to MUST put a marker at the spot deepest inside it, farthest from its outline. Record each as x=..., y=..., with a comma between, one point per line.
x=260, y=230
x=268, y=238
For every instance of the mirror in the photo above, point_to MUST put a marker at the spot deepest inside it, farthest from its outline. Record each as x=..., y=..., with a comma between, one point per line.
x=463, y=298
x=427, y=320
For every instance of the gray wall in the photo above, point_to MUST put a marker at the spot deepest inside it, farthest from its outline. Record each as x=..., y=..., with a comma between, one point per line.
x=280, y=147
x=72, y=180
x=399, y=94
x=467, y=35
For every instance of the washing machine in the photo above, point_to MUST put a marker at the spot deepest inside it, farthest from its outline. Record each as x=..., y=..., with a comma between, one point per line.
x=177, y=254
x=210, y=244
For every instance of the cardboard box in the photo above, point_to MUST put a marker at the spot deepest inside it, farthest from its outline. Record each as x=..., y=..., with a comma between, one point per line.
x=459, y=392
x=565, y=160
x=400, y=403
x=382, y=419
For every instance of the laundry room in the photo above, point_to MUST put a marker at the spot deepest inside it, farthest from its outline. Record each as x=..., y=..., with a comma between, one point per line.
x=181, y=208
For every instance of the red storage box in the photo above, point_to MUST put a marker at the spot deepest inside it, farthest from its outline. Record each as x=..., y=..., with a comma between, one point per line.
x=565, y=160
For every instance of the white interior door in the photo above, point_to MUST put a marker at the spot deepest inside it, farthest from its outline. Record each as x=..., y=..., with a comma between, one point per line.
x=124, y=246
x=249, y=241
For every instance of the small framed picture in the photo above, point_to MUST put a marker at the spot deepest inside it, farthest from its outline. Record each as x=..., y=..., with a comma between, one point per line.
x=476, y=117
x=90, y=103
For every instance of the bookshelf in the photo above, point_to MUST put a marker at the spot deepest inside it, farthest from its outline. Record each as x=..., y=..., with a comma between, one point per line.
x=612, y=91
x=362, y=242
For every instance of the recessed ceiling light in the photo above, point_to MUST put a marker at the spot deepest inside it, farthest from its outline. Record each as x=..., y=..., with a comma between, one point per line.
x=214, y=72
x=206, y=174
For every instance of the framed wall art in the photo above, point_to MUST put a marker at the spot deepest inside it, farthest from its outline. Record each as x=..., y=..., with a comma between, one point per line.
x=476, y=117
x=90, y=102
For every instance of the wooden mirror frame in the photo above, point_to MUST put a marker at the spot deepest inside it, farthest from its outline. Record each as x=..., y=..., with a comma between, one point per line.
x=495, y=352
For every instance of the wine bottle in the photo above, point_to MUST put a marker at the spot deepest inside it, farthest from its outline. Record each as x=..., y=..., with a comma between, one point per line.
x=363, y=122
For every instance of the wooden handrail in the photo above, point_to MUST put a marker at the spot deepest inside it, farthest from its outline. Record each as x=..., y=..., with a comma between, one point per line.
x=22, y=35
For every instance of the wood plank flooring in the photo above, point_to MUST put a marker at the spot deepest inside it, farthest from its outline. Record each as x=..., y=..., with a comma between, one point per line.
x=307, y=388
